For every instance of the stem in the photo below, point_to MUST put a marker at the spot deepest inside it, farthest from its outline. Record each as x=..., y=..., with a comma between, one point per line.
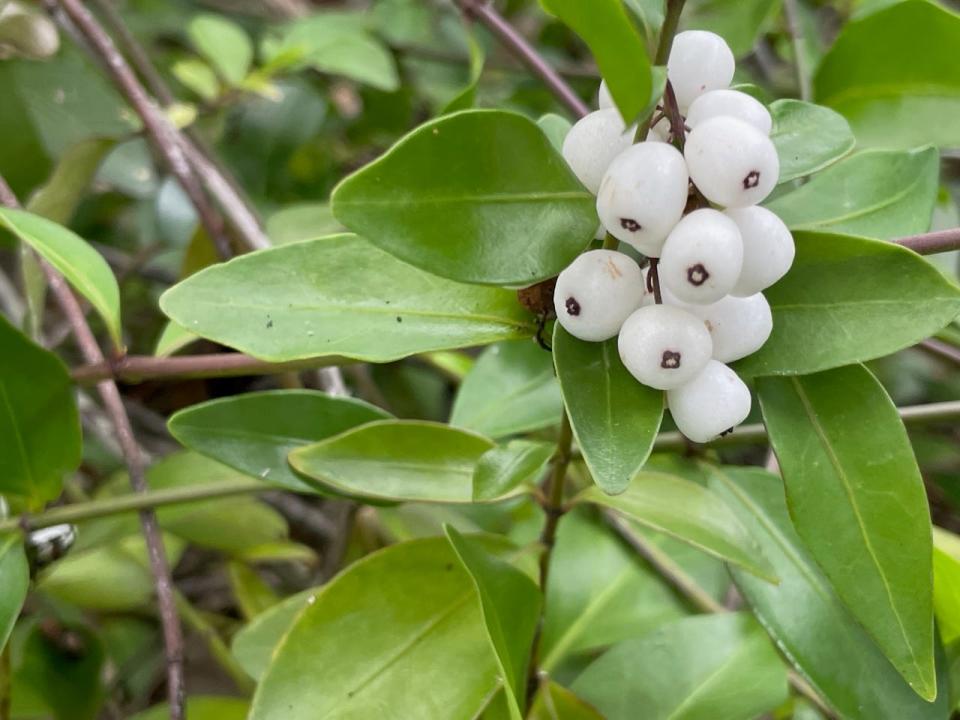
x=933, y=242
x=133, y=457
x=791, y=12
x=653, y=280
x=671, y=20
x=940, y=349
x=554, y=509
x=483, y=12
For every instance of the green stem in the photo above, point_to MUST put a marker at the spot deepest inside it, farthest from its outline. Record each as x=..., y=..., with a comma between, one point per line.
x=671, y=20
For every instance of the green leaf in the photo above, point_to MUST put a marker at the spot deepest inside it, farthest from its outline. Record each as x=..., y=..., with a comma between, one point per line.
x=555, y=702
x=511, y=389
x=721, y=667
x=506, y=467
x=339, y=296
x=173, y=339
x=946, y=583
x=396, y=460
x=479, y=196
x=555, y=127
x=14, y=583
x=254, y=644
x=253, y=595
x=805, y=616
x=848, y=299
x=739, y=22
x=510, y=603
x=224, y=44
x=70, y=254
x=202, y=707
x=61, y=194
x=808, y=137
x=616, y=46
x=858, y=501
x=599, y=593
x=877, y=193
x=198, y=77
x=688, y=512
x=40, y=438
x=303, y=221
x=254, y=432
x=467, y=97
x=615, y=419
x=893, y=75
x=420, y=635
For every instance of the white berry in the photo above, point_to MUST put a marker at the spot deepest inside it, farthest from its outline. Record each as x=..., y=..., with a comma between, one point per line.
x=664, y=346
x=596, y=294
x=643, y=195
x=732, y=103
x=604, y=98
x=702, y=257
x=731, y=162
x=768, y=248
x=738, y=326
x=714, y=401
x=592, y=144
x=699, y=61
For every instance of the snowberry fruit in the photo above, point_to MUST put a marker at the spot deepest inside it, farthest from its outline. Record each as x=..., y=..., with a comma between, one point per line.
x=702, y=257
x=604, y=98
x=713, y=402
x=732, y=103
x=768, y=249
x=593, y=142
x=731, y=162
x=738, y=326
x=596, y=294
x=699, y=61
x=664, y=346
x=643, y=195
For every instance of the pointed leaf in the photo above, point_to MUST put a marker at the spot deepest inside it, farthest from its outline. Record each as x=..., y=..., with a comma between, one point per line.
x=339, y=295
x=506, y=467
x=14, y=582
x=254, y=644
x=478, y=196
x=806, y=618
x=224, y=43
x=808, y=137
x=858, y=501
x=555, y=702
x=615, y=419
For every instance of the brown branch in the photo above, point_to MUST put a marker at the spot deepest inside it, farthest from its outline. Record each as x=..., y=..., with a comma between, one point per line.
x=159, y=130
x=113, y=404
x=485, y=14
x=940, y=349
x=933, y=242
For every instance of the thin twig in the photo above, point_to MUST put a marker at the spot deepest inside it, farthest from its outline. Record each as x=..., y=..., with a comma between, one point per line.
x=483, y=12
x=932, y=243
x=939, y=348
x=791, y=12
x=113, y=404
x=160, y=131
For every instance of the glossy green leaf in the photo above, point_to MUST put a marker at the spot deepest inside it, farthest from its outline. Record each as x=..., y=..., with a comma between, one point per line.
x=396, y=460
x=739, y=22
x=858, y=501
x=420, y=635
x=173, y=339
x=555, y=702
x=848, y=299
x=254, y=432
x=616, y=46
x=505, y=467
x=14, y=582
x=806, y=618
x=254, y=596
x=79, y=263
x=877, y=193
x=946, y=584
x=599, y=592
x=40, y=439
x=303, y=221
x=615, y=419
x=893, y=75
x=479, y=196
x=339, y=296
x=202, y=707
x=224, y=44
x=510, y=603
x=808, y=137
x=721, y=667
x=198, y=77
x=254, y=644
x=689, y=512
x=511, y=389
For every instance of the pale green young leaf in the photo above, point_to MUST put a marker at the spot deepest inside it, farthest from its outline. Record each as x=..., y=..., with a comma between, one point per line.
x=254, y=643
x=946, y=584
x=808, y=137
x=506, y=467
x=224, y=44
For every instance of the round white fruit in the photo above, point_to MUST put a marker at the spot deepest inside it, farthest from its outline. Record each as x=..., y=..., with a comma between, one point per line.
x=604, y=98
x=596, y=294
x=739, y=326
x=714, y=401
x=643, y=195
x=664, y=346
x=731, y=162
x=592, y=144
x=730, y=103
x=768, y=248
x=699, y=61
x=702, y=257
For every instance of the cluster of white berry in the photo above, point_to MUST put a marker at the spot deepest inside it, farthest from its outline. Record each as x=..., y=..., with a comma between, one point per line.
x=712, y=262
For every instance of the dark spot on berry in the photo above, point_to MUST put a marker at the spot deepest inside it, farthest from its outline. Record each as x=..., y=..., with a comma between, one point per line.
x=629, y=224
x=573, y=307
x=670, y=360
x=697, y=275
x=726, y=432
x=399, y=319
x=751, y=180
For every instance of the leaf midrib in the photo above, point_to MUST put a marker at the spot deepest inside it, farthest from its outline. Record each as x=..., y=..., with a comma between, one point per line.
x=487, y=198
